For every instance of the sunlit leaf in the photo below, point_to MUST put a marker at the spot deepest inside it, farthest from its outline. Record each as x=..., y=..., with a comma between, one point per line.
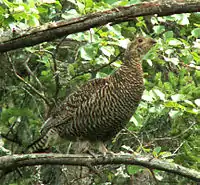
x=178, y=97
x=159, y=94
x=174, y=105
x=101, y=75
x=197, y=102
x=134, y=121
x=182, y=19
x=107, y=50
x=174, y=113
x=174, y=42
x=147, y=97
x=156, y=151
x=189, y=103
x=102, y=60
x=124, y=43
x=88, y=52
x=168, y=35
x=158, y=29
x=196, y=32
x=70, y=14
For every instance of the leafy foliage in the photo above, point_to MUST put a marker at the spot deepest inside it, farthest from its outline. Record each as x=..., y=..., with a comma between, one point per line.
x=166, y=124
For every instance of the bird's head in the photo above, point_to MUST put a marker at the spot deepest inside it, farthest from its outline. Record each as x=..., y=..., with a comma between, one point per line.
x=139, y=47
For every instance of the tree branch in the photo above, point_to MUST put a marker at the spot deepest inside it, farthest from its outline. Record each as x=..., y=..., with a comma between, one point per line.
x=31, y=73
x=12, y=162
x=55, y=30
x=25, y=82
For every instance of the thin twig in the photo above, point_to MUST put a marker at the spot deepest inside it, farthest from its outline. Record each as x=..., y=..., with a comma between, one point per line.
x=153, y=175
x=190, y=66
x=178, y=148
x=14, y=140
x=26, y=83
x=56, y=74
x=135, y=136
x=97, y=69
x=177, y=136
x=31, y=73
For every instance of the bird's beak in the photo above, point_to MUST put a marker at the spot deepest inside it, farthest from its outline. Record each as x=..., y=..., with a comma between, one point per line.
x=153, y=42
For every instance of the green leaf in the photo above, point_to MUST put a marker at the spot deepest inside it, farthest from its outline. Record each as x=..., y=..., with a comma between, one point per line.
x=174, y=113
x=182, y=19
x=89, y=4
x=189, y=103
x=175, y=105
x=147, y=96
x=134, y=1
x=71, y=69
x=33, y=21
x=197, y=102
x=156, y=151
x=174, y=42
x=15, y=112
x=8, y=4
x=88, y=52
x=102, y=60
x=173, y=79
x=108, y=50
x=192, y=111
x=101, y=75
x=133, y=169
x=159, y=29
x=44, y=73
x=196, y=32
x=70, y=14
x=116, y=30
x=165, y=154
x=109, y=1
x=159, y=94
x=169, y=51
x=123, y=43
x=81, y=7
x=178, y=97
x=134, y=121
x=72, y=1
x=168, y=35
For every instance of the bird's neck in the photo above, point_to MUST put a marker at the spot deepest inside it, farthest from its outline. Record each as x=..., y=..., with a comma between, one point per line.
x=128, y=84
x=130, y=71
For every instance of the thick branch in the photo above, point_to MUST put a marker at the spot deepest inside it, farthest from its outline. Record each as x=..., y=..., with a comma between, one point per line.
x=119, y=14
x=14, y=161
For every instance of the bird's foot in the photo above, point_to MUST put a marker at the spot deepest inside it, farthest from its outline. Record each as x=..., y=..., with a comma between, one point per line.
x=92, y=154
x=102, y=149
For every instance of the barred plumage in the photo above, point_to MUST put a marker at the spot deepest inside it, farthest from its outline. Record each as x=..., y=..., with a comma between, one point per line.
x=101, y=107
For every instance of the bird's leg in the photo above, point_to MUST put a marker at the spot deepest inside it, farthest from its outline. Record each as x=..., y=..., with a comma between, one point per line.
x=81, y=146
x=84, y=147
x=102, y=149
x=91, y=147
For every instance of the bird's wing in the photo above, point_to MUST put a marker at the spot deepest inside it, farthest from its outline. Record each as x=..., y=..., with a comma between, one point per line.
x=84, y=93
x=65, y=111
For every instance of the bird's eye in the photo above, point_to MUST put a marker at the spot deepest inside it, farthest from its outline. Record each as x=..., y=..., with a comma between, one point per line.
x=140, y=40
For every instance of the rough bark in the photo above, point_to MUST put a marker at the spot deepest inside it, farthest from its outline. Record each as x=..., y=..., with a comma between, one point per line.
x=12, y=162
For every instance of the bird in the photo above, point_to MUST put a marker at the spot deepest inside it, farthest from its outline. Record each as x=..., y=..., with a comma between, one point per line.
x=102, y=107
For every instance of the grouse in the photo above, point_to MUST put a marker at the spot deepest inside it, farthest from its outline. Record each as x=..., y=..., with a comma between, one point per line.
x=99, y=109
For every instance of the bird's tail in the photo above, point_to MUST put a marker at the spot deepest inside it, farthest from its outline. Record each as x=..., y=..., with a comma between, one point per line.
x=42, y=143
